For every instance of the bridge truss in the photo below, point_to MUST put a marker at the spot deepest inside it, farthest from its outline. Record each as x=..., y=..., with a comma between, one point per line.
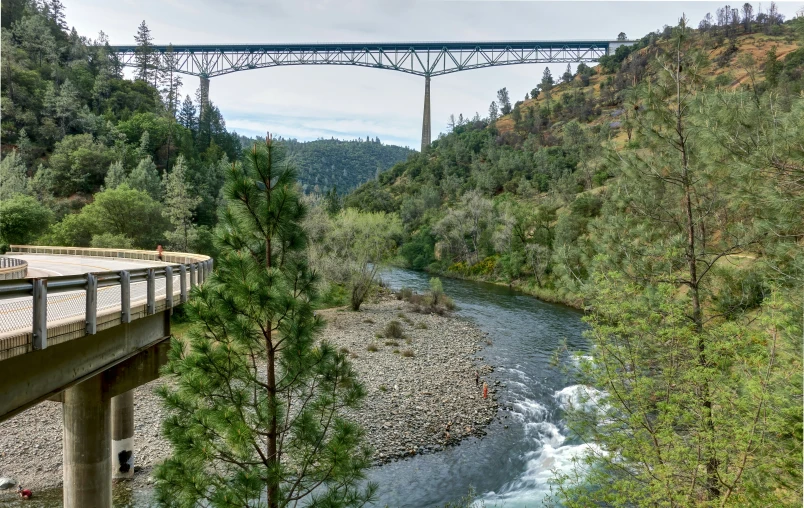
x=428, y=59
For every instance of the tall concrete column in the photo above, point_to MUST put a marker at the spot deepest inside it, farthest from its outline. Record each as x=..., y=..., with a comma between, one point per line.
x=87, y=450
x=426, y=137
x=204, y=89
x=123, y=435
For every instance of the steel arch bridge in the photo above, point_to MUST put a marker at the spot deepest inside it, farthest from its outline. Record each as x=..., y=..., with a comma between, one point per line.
x=427, y=59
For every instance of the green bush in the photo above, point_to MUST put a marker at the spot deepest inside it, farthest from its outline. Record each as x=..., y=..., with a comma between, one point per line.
x=394, y=330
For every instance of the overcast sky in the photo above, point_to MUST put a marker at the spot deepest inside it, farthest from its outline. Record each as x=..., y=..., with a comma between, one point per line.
x=309, y=102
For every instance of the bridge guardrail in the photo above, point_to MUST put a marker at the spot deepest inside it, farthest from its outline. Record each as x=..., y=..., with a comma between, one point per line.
x=96, y=300
x=12, y=268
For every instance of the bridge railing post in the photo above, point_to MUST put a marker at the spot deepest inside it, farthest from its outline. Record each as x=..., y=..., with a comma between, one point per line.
x=39, y=340
x=169, y=287
x=125, y=297
x=193, y=271
x=92, y=303
x=183, y=284
x=150, y=299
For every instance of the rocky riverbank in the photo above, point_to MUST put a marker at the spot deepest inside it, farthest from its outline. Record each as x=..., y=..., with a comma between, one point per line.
x=421, y=394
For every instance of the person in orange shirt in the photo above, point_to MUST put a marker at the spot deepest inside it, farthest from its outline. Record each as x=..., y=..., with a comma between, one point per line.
x=485, y=390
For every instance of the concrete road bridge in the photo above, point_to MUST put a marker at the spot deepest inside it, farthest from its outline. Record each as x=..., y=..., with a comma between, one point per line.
x=85, y=327
x=427, y=59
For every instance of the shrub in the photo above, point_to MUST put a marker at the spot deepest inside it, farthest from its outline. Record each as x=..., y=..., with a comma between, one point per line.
x=394, y=329
x=422, y=325
x=391, y=343
x=408, y=353
x=436, y=290
x=369, y=321
x=372, y=348
x=383, y=388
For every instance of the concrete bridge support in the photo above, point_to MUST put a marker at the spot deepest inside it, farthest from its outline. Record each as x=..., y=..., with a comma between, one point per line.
x=426, y=136
x=204, y=92
x=87, y=431
x=123, y=436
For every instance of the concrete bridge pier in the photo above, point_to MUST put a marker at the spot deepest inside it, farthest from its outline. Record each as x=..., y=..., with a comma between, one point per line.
x=426, y=137
x=122, y=456
x=204, y=95
x=86, y=410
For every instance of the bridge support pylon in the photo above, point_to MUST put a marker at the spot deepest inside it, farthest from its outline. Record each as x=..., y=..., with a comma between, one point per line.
x=123, y=435
x=426, y=137
x=204, y=95
x=86, y=445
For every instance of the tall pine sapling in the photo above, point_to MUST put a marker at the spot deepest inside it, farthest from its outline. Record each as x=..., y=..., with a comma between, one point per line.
x=255, y=412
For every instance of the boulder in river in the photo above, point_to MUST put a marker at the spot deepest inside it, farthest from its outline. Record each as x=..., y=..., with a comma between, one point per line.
x=7, y=483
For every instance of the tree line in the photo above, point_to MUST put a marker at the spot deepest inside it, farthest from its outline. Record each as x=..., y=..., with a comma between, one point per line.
x=81, y=143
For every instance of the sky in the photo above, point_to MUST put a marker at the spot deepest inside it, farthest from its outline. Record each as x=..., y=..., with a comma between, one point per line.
x=346, y=102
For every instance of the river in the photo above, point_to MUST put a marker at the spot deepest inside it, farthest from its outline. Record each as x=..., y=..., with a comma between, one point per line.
x=512, y=464
x=509, y=466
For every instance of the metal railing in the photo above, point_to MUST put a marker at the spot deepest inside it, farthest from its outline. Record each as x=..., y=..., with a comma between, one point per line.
x=12, y=268
x=97, y=300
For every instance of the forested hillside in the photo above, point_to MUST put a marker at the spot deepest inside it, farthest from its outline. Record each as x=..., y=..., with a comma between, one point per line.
x=663, y=192
x=91, y=158
x=325, y=164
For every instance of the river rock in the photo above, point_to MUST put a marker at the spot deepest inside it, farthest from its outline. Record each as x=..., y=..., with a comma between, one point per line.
x=7, y=483
x=409, y=399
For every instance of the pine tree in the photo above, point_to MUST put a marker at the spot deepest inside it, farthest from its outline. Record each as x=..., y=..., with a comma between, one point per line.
x=13, y=177
x=180, y=204
x=145, y=177
x=504, y=101
x=255, y=410
x=493, y=112
x=686, y=345
x=546, y=86
x=567, y=77
x=169, y=81
x=56, y=9
x=116, y=176
x=187, y=114
x=144, y=56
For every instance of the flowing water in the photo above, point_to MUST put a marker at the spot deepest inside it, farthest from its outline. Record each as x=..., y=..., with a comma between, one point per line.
x=512, y=464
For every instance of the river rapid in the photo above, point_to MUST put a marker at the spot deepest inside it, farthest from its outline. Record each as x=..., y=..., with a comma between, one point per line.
x=511, y=465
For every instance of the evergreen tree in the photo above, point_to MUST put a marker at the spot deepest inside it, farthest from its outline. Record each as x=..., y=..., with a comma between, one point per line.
x=187, y=114
x=13, y=177
x=493, y=112
x=116, y=175
x=686, y=346
x=504, y=101
x=567, y=77
x=546, y=86
x=256, y=407
x=145, y=177
x=144, y=56
x=180, y=203
x=56, y=9
x=170, y=82
x=773, y=67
